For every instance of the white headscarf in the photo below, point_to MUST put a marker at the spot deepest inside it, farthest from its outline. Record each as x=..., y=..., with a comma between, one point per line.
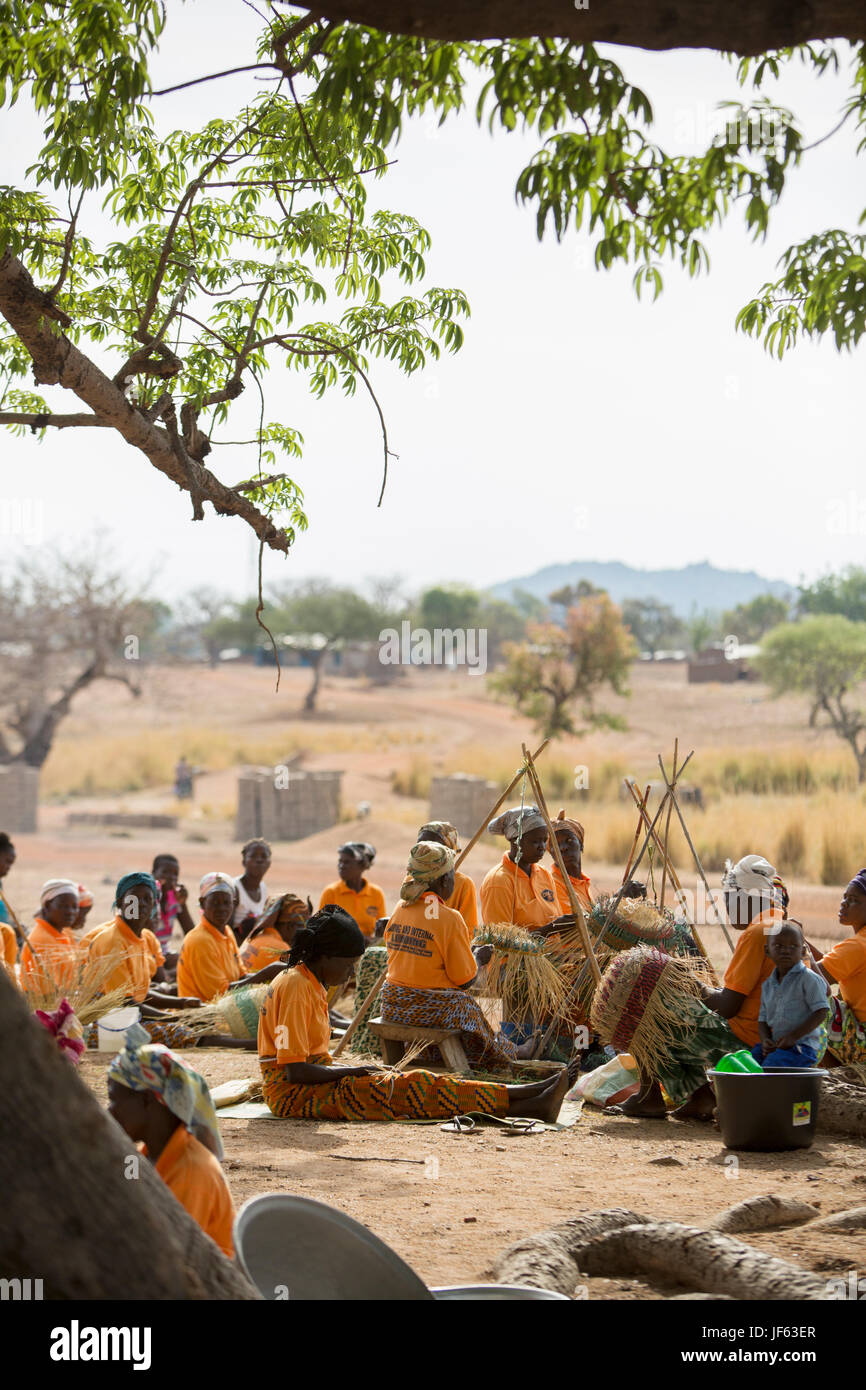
x=751, y=873
x=54, y=887
x=215, y=883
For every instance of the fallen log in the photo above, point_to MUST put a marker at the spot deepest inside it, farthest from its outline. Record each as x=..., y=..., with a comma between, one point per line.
x=852, y=1220
x=843, y=1107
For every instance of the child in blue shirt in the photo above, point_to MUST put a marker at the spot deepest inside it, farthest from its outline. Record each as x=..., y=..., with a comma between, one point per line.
x=793, y=1004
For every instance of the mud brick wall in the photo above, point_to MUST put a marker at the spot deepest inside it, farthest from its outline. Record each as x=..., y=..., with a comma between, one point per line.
x=19, y=796
x=462, y=800
x=281, y=809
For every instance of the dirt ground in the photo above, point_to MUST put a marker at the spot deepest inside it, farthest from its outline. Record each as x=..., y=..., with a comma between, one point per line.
x=450, y=1204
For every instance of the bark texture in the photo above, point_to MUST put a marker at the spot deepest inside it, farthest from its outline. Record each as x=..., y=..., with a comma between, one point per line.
x=843, y=1107
x=745, y=29
x=763, y=1214
x=69, y=1215
x=549, y=1260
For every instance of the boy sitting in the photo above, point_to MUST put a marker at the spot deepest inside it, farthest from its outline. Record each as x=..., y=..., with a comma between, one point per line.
x=793, y=1004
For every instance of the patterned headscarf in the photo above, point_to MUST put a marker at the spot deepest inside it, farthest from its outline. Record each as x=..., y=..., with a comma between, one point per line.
x=147, y=1066
x=360, y=850
x=427, y=862
x=516, y=822
x=563, y=822
x=132, y=881
x=85, y=897
x=216, y=883
x=444, y=829
x=54, y=887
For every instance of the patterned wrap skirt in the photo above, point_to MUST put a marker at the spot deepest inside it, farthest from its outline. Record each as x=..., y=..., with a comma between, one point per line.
x=370, y=967
x=705, y=1040
x=846, y=1034
x=411, y=1095
x=448, y=1008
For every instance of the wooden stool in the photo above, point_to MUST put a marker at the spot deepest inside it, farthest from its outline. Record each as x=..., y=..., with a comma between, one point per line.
x=397, y=1036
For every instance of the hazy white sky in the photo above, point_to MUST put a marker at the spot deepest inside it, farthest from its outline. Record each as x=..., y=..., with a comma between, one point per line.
x=576, y=423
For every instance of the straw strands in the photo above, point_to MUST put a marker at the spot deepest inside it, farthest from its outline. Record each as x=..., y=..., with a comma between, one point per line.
x=647, y=1003
x=84, y=990
x=235, y=1013
x=522, y=972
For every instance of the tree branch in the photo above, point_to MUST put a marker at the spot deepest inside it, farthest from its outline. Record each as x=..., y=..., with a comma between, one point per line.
x=57, y=361
x=743, y=29
x=58, y=422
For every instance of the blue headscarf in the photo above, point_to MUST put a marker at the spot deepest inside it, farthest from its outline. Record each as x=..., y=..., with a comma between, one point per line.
x=130, y=881
x=860, y=880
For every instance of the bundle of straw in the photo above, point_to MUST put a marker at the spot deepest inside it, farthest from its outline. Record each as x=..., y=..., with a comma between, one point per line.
x=639, y=923
x=85, y=990
x=522, y=972
x=235, y=1013
x=647, y=1003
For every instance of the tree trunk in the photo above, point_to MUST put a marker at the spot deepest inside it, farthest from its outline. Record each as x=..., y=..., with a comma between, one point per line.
x=70, y=1216
x=317, y=660
x=751, y=28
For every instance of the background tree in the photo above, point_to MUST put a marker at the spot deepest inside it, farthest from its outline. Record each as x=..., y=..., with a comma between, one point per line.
x=653, y=624
x=824, y=658
x=317, y=617
x=702, y=628
x=562, y=667
x=749, y=621
x=529, y=605
x=449, y=606
x=64, y=624
x=843, y=593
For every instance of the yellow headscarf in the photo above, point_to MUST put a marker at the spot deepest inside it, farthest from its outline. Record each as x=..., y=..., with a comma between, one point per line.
x=427, y=862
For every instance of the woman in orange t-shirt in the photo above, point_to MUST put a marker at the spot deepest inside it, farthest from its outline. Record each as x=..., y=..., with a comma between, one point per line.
x=845, y=965
x=165, y=1106
x=463, y=899
x=431, y=962
x=300, y=1080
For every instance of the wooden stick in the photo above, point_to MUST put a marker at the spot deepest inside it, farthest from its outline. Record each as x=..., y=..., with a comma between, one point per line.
x=700, y=868
x=377, y=984
x=668, y=829
x=569, y=886
x=642, y=807
x=678, y=889
x=521, y=771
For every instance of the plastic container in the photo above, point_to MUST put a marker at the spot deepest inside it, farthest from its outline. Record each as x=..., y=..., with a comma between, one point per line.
x=111, y=1028
x=767, y=1110
x=741, y=1061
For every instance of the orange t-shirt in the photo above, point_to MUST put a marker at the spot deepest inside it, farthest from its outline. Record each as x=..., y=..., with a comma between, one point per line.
x=294, y=1025
x=58, y=954
x=463, y=900
x=581, y=889
x=846, y=962
x=209, y=962
x=365, y=907
x=747, y=970
x=8, y=947
x=262, y=949
x=509, y=894
x=136, y=964
x=428, y=946
x=194, y=1176
x=146, y=935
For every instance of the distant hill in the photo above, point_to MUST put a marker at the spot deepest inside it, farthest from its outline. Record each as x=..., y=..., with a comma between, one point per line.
x=693, y=587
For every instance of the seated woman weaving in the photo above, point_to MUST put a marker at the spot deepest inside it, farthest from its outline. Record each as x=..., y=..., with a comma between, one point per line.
x=166, y=1107
x=725, y=1019
x=519, y=889
x=431, y=963
x=462, y=898
x=50, y=955
x=209, y=959
x=299, y=1079
x=124, y=958
x=570, y=837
